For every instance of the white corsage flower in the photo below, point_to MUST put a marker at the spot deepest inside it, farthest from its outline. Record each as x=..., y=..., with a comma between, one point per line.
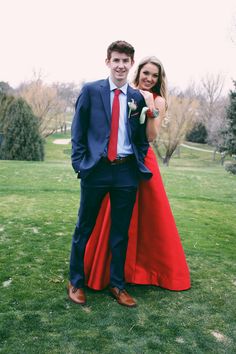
x=132, y=106
x=143, y=115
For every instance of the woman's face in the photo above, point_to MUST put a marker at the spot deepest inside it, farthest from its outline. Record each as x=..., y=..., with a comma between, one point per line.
x=148, y=76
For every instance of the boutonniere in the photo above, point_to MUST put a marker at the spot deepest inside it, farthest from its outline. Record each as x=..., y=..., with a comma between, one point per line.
x=132, y=106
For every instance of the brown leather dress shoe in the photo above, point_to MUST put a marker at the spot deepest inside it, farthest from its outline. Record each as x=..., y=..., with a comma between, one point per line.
x=76, y=295
x=122, y=297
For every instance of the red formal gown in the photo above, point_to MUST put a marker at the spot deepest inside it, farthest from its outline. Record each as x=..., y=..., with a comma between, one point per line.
x=155, y=255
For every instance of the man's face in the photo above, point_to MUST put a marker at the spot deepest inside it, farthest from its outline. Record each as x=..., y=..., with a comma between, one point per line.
x=119, y=65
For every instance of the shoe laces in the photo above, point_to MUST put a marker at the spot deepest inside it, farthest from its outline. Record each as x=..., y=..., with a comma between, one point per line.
x=123, y=291
x=74, y=290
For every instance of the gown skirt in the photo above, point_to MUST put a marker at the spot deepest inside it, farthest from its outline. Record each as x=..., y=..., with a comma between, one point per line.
x=155, y=255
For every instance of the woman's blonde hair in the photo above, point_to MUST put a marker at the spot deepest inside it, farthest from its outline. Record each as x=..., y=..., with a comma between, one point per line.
x=161, y=86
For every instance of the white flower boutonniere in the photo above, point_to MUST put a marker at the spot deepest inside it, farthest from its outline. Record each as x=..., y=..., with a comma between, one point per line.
x=132, y=106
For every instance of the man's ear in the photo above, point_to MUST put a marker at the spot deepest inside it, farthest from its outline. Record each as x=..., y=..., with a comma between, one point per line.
x=107, y=61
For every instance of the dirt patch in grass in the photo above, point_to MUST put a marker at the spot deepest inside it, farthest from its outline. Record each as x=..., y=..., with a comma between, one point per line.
x=61, y=141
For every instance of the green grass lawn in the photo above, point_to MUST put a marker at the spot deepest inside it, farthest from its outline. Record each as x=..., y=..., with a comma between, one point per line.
x=38, y=210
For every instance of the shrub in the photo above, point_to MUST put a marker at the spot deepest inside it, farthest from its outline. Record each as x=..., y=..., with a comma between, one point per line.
x=231, y=167
x=198, y=134
x=20, y=137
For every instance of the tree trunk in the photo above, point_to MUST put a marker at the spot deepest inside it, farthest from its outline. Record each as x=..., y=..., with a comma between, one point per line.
x=214, y=154
x=177, y=151
x=157, y=151
x=65, y=128
x=166, y=161
x=222, y=158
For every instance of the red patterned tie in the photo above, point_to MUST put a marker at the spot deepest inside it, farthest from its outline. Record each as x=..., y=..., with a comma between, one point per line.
x=112, y=146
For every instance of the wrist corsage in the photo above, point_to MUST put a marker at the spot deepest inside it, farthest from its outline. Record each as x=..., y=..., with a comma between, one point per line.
x=152, y=113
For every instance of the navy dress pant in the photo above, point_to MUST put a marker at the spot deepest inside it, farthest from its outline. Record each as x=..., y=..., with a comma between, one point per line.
x=120, y=181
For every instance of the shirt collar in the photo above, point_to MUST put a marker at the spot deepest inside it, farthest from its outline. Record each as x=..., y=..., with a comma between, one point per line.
x=113, y=87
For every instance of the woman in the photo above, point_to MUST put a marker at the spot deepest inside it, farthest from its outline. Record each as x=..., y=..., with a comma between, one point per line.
x=150, y=79
x=155, y=255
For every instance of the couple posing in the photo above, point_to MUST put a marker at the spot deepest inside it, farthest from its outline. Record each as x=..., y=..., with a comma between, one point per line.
x=125, y=232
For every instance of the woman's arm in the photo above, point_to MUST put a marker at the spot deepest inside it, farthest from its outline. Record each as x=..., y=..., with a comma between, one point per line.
x=154, y=124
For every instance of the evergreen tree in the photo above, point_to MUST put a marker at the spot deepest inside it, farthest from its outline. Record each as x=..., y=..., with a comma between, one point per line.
x=4, y=103
x=20, y=137
x=230, y=133
x=198, y=134
x=5, y=87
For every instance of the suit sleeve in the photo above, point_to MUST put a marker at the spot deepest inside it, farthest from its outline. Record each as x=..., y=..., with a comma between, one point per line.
x=79, y=128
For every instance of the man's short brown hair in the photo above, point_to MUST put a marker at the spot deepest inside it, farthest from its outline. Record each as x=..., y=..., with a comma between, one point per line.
x=120, y=47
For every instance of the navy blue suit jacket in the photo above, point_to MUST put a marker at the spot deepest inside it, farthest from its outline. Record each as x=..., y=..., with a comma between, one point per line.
x=90, y=129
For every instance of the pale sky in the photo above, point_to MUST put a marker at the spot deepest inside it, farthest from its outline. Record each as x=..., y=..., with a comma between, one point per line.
x=67, y=39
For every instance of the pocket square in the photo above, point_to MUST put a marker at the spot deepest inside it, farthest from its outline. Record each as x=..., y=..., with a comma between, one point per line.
x=134, y=114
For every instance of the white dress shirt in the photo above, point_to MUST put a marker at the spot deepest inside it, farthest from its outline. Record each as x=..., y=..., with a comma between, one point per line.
x=124, y=147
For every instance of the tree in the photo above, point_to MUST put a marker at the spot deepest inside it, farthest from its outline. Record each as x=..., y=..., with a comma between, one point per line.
x=181, y=117
x=45, y=104
x=212, y=109
x=5, y=87
x=5, y=101
x=21, y=138
x=68, y=91
x=198, y=134
x=230, y=132
x=67, y=94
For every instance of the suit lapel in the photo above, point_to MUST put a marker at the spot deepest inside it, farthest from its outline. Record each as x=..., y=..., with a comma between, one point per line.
x=129, y=97
x=105, y=93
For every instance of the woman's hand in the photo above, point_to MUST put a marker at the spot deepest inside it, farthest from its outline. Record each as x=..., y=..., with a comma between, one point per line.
x=148, y=96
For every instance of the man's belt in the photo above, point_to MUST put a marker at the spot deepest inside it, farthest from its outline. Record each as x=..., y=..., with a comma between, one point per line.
x=119, y=160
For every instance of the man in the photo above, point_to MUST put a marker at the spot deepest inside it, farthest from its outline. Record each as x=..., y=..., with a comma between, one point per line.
x=108, y=149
